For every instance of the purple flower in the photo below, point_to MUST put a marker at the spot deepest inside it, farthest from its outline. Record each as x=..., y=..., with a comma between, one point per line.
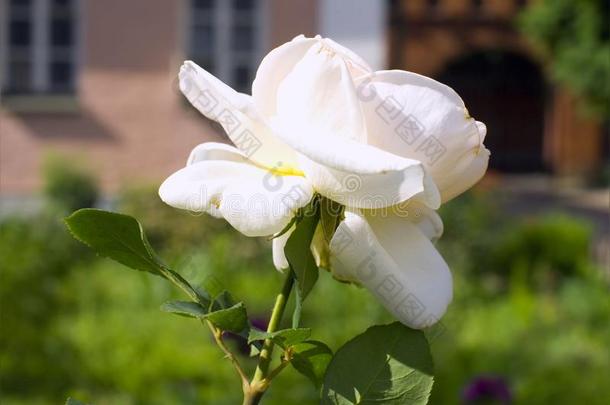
x=260, y=323
x=242, y=344
x=485, y=389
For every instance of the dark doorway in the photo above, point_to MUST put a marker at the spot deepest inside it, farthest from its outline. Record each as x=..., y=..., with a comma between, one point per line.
x=507, y=92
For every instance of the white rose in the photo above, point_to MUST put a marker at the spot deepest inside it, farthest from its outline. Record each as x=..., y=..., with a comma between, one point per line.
x=389, y=145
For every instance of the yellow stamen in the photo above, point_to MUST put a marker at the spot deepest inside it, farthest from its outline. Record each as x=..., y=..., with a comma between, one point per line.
x=281, y=170
x=285, y=171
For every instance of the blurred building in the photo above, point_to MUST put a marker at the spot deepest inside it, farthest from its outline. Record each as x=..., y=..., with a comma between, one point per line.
x=95, y=79
x=475, y=47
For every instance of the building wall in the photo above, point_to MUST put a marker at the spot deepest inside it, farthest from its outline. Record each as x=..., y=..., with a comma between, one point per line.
x=432, y=37
x=361, y=27
x=128, y=121
x=289, y=18
x=426, y=36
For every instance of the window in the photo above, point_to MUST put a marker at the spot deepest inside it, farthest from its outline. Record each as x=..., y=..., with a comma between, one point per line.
x=39, y=49
x=225, y=38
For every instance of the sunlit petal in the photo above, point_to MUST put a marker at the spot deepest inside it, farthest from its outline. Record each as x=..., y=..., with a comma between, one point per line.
x=396, y=262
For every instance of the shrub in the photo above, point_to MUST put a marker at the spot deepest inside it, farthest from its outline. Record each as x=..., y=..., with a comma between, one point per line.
x=68, y=186
x=544, y=250
x=37, y=256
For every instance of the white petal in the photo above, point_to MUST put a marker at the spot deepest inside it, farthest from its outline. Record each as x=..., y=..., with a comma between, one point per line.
x=318, y=247
x=361, y=176
x=356, y=65
x=430, y=224
x=254, y=201
x=395, y=261
x=318, y=97
x=427, y=220
x=279, y=257
x=465, y=175
x=216, y=151
x=280, y=61
x=237, y=115
x=274, y=67
x=419, y=118
x=319, y=115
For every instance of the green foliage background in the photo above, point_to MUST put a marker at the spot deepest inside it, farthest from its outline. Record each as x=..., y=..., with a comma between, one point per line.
x=529, y=307
x=574, y=35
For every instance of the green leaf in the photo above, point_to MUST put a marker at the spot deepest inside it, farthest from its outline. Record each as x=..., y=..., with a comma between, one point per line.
x=213, y=286
x=388, y=364
x=223, y=300
x=117, y=236
x=298, y=251
x=286, y=228
x=331, y=213
x=298, y=308
x=255, y=350
x=311, y=359
x=184, y=308
x=122, y=238
x=233, y=319
x=226, y=301
x=284, y=337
